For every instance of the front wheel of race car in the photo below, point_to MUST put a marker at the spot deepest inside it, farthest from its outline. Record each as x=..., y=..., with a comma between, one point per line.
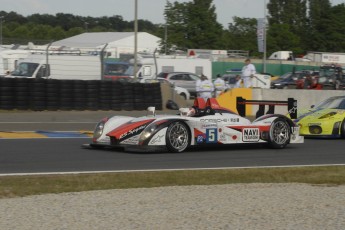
x=279, y=135
x=177, y=137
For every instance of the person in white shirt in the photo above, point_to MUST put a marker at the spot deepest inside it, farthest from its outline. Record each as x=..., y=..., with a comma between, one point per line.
x=204, y=88
x=248, y=72
x=219, y=85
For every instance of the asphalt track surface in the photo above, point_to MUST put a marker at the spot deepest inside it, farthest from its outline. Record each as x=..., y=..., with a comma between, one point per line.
x=64, y=154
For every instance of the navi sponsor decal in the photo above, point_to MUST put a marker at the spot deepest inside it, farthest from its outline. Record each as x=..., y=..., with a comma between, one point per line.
x=250, y=134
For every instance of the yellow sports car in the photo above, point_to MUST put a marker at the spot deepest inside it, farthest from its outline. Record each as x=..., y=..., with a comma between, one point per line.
x=327, y=119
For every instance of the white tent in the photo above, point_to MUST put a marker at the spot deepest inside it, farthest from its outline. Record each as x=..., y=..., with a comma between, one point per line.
x=118, y=42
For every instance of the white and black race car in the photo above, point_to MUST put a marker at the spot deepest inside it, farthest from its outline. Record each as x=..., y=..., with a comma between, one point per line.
x=210, y=124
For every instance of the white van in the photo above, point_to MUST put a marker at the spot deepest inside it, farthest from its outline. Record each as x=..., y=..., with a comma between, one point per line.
x=282, y=55
x=59, y=67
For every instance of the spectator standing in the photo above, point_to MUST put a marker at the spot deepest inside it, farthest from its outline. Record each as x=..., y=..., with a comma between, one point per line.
x=248, y=72
x=204, y=88
x=219, y=85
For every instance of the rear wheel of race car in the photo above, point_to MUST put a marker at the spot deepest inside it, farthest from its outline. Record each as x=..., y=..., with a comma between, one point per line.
x=177, y=137
x=279, y=135
x=342, y=129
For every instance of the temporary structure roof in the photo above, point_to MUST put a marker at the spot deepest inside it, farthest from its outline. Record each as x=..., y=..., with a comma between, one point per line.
x=113, y=39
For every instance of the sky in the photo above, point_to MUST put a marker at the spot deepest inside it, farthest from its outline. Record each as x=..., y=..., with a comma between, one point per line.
x=151, y=10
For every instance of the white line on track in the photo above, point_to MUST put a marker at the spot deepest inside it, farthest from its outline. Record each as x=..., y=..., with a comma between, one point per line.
x=166, y=170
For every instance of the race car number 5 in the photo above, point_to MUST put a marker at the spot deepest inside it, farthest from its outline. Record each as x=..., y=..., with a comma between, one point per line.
x=211, y=136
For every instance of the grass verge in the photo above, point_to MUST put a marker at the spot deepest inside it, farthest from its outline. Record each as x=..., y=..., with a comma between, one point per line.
x=19, y=186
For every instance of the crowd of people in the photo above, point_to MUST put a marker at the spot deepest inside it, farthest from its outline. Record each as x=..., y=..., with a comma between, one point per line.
x=207, y=89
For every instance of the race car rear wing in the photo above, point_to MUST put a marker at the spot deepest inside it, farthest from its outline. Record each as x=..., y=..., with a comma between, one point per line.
x=291, y=103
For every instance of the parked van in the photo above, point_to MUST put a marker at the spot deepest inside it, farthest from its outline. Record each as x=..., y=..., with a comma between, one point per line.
x=59, y=67
x=282, y=55
x=9, y=59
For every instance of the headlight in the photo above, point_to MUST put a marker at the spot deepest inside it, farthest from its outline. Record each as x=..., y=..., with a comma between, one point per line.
x=328, y=115
x=99, y=128
x=147, y=132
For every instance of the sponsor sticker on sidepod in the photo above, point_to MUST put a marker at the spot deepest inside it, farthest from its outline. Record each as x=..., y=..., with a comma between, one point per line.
x=250, y=134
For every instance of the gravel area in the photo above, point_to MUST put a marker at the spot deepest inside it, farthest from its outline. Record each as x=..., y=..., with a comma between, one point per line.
x=235, y=206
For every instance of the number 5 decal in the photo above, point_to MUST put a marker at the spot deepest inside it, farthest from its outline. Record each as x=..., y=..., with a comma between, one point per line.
x=211, y=136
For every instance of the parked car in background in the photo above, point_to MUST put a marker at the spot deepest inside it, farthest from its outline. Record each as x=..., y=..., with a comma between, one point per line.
x=182, y=79
x=288, y=80
x=332, y=76
x=230, y=80
x=315, y=82
x=179, y=90
x=273, y=77
x=260, y=80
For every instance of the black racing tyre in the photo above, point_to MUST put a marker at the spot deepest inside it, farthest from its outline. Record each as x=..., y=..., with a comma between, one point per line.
x=279, y=134
x=177, y=137
x=342, y=129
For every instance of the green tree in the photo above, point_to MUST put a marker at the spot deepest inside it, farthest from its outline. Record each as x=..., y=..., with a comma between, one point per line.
x=242, y=35
x=292, y=13
x=336, y=29
x=319, y=22
x=176, y=20
x=280, y=37
x=74, y=31
x=116, y=23
x=20, y=32
x=39, y=31
x=13, y=17
x=43, y=19
x=193, y=25
x=56, y=33
x=204, y=31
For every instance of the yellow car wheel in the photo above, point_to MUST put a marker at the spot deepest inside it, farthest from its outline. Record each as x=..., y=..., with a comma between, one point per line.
x=342, y=129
